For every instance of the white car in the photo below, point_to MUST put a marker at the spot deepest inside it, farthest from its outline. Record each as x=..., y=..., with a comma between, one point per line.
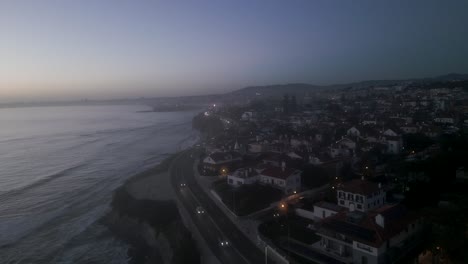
x=200, y=210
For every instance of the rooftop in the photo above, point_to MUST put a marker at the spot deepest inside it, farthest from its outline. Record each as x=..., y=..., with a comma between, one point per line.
x=362, y=227
x=360, y=187
x=278, y=172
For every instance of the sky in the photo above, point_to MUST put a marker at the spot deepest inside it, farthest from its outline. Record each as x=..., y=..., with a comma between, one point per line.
x=75, y=49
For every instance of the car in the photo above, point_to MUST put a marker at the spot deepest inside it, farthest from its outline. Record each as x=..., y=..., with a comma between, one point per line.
x=223, y=242
x=183, y=184
x=200, y=210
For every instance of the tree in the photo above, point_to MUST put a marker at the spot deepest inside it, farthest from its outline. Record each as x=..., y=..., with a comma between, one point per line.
x=313, y=176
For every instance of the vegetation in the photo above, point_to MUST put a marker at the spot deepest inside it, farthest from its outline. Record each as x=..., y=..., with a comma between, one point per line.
x=247, y=199
x=208, y=125
x=313, y=176
x=290, y=226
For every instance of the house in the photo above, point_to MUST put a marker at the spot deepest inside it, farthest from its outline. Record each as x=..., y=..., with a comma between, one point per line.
x=360, y=195
x=243, y=176
x=369, y=122
x=324, y=209
x=217, y=161
x=344, y=147
x=444, y=120
x=383, y=235
x=249, y=116
x=348, y=143
x=390, y=132
x=286, y=179
x=353, y=131
x=394, y=144
x=256, y=147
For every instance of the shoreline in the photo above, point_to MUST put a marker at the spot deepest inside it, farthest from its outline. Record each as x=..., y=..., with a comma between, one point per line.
x=149, y=224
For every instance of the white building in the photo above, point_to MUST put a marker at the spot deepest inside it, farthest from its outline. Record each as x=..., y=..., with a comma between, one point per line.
x=243, y=176
x=360, y=195
x=324, y=209
x=286, y=179
x=383, y=235
x=218, y=160
x=249, y=116
x=444, y=120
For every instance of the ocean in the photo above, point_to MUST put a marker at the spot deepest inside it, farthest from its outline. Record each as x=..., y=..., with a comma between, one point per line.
x=59, y=167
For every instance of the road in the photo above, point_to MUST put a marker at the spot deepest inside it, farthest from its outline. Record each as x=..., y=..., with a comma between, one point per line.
x=213, y=224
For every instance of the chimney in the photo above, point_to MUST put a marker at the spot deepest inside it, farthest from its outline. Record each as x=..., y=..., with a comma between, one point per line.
x=380, y=220
x=283, y=166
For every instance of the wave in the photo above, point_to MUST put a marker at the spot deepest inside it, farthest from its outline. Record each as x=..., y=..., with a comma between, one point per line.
x=12, y=193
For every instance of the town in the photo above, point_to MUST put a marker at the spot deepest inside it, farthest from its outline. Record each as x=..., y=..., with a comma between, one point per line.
x=374, y=174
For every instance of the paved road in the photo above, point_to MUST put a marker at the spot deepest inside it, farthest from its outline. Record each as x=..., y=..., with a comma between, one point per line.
x=213, y=224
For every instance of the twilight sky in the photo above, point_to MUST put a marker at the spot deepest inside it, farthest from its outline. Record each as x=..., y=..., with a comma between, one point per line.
x=65, y=49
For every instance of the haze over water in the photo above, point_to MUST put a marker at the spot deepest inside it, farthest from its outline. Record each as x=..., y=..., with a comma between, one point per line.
x=58, y=168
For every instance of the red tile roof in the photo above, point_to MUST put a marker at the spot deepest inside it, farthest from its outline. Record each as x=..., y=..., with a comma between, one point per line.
x=278, y=172
x=360, y=187
x=221, y=157
x=366, y=230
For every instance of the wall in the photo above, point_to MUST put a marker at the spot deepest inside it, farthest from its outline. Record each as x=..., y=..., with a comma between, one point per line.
x=305, y=213
x=318, y=212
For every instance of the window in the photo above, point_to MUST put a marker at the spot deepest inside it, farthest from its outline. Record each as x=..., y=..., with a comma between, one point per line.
x=359, y=206
x=230, y=181
x=323, y=214
x=413, y=225
x=341, y=202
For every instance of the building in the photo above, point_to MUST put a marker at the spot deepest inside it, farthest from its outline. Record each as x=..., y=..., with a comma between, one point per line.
x=360, y=195
x=218, y=161
x=286, y=179
x=383, y=235
x=394, y=144
x=243, y=176
x=324, y=209
x=353, y=131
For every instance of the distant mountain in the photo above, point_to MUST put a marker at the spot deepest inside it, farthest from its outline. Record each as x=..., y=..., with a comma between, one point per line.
x=275, y=90
x=304, y=88
x=452, y=77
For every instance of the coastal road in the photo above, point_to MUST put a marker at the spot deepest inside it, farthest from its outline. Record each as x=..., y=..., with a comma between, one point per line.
x=213, y=225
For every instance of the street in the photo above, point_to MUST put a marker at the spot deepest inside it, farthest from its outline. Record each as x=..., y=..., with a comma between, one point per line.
x=213, y=224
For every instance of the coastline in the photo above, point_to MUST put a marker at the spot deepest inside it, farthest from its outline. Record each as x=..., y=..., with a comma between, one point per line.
x=144, y=213
x=149, y=222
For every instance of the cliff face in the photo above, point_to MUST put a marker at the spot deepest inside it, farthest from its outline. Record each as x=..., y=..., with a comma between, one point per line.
x=153, y=229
